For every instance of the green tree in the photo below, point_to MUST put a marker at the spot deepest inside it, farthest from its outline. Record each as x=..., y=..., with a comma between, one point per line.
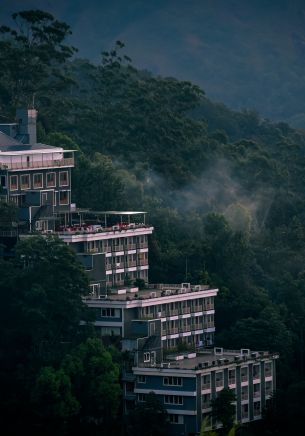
x=148, y=418
x=223, y=409
x=32, y=53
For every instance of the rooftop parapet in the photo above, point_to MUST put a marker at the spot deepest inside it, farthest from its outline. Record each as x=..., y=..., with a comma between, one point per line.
x=202, y=359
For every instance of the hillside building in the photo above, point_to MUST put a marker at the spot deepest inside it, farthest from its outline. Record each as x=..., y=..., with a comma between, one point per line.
x=167, y=330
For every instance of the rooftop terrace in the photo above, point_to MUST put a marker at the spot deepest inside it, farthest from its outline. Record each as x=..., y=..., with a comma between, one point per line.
x=212, y=358
x=153, y=291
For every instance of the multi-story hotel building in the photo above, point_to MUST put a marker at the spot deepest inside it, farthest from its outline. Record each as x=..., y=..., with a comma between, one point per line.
x=168, y=330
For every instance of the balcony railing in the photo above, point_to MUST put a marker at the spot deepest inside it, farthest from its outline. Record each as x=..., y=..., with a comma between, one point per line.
x=38, y=164
x=118, y=248
x=130, y=246
x=184, y=310
x=142, y=245
x=143, y=262
x=206, y=386
x=232, y=381
x=131, y=263
x=219, y=383
x=172, y=331
x=208, y=307
x=173, y=312
x=244, y=378
x=184, y=328
x=197, y=327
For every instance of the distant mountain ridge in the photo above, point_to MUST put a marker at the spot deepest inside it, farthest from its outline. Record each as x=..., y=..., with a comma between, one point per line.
x=247, y=54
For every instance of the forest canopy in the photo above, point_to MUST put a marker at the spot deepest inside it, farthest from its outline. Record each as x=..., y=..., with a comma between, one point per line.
x=224, y=191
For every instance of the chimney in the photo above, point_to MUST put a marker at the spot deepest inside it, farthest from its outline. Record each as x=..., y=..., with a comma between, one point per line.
x=26, y=119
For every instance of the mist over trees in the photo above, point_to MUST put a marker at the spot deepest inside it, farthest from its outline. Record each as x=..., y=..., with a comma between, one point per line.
x=224, y=191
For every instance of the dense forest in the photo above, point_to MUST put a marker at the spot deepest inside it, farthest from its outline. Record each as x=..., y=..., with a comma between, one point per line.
x=224, y=191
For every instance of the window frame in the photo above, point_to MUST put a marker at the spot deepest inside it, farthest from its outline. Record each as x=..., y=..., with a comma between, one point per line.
x=41, y=185
x=60, y=201
x=48, y=183
x=17, y=184
x=60, y=182
x=29, y=184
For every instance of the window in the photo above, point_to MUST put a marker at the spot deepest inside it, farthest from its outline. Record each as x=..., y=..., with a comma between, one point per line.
x=231, y=376
x=244, y=393
x=13, y=183
x=141, y=398
x=108, y=312
x=256, y=371
x=3, y=181
x=256, y=390
x=268, y=369
x=257, y=408
x=172, y=381
x=219, y=379
x=25, y=181
x=37, y=179
x=268, y=387
x=244, y=374
x=175, y=419
x=146, y=357
x=206, y=401
x=51, y=180
x=63, y=178
x=141, y=378
x=173, y=399
x=244, y=411
x=63, y=197
x=206, y=381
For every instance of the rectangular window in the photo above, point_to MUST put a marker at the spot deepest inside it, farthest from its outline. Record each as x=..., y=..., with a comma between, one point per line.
x=141, y=378
x=257, y=408
x=268, y=387
x=108, y=312
x=141, y=398
x=13, y=183
x=37, y=180
x=206, y=401
x=256, y=371
x=231, y=376
x=244, y=393
x=219, y=379
x=173, y=399
x=268, y=369
x=206, y=381
x=175, y=419
x=244, y=411
x=172, y=381
x=146, y=357
x=51, y=180
x=256, y=390
x=3, y=181
x=244, y=374
x=63, y=197
x=63, y=178
x=25, y=181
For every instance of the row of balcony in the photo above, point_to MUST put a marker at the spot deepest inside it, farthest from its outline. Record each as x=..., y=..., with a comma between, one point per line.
x=115, y=248
x=176, y=312
x=119, y=265
x=48, y=163
x=186, y=328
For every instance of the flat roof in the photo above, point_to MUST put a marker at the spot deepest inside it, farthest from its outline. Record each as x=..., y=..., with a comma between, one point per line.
x=118, y=212
x=210, y=358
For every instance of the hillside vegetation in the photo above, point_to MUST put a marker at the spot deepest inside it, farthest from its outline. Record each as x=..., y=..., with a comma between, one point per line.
x=224, y=190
